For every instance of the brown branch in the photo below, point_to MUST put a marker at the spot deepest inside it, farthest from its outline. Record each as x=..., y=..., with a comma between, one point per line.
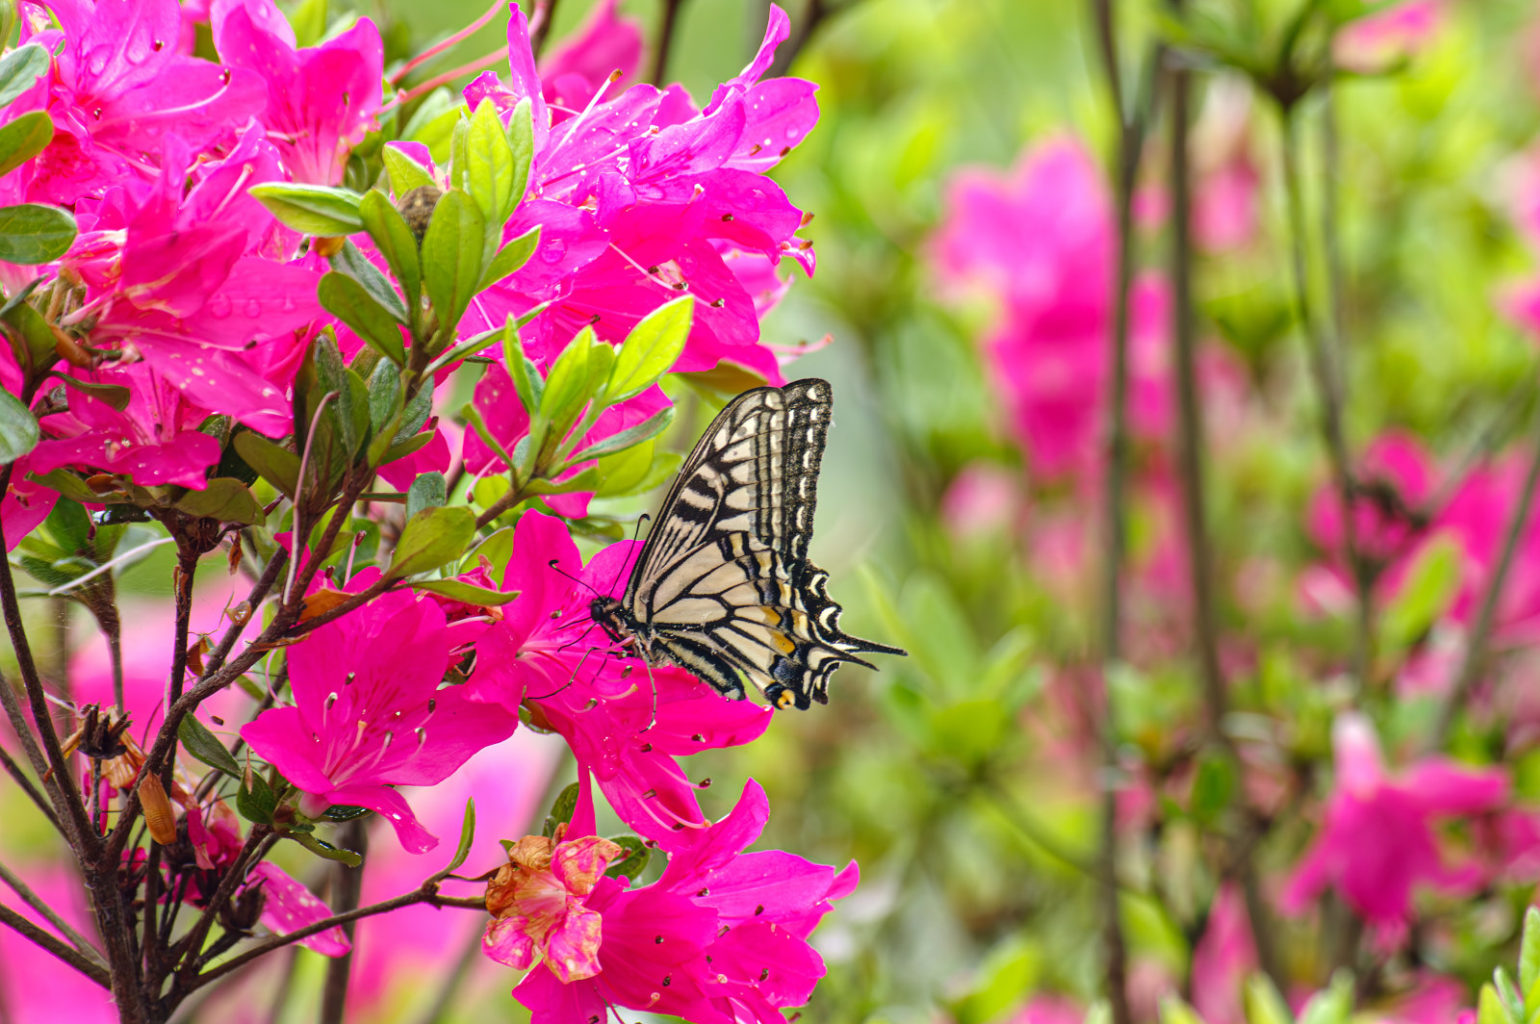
x=37, y=903
x=347, y=889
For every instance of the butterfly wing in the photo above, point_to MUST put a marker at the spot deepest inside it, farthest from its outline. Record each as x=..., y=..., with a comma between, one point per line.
x=724, y=587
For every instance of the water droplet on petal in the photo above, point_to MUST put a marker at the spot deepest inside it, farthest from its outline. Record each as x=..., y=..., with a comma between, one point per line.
x=253, y=308
x=218, y=306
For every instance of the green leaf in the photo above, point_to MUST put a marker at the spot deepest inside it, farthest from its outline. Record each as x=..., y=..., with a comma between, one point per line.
x=1263, y=1003
x=70, y=525
x=562, y=809
x=451, y=256
x=428, y=491
x=33, y=342
x=466, y=593
x=23, y=139
x=565, y=392
x=20, y=69
x=646, y=430
x=405, y=173
x=467, y=836
x=309, y=21
x=1529, y=953
x=352, y=262
x=273, y=463
x=526, y=375
x=66, y=483
x=114, y=395
x=511, y=257
x=257, y=802
x=18, y=429
x=435, y=131
x=224, y=498
x=521, y=140
x=1489, y=1009
x=384, y=396
x=1213, y=788
x=433, y=537
x=206, y=747
x=1174, y=1011
x=32, y=233
x=651, y=349
x=311, y=209
x=632, y=860
x=350, y=302
x=395, y=240
x=1424, y=595
x=489, y=171
x=636, y=470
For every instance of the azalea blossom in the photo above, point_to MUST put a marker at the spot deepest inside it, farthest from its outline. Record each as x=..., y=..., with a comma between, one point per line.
x=369, y=713
x=720, y=937
x=1377, y=842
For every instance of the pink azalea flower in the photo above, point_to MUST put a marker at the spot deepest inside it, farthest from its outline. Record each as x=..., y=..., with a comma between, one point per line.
x=154, y=440
x=626, y=724
x=177, y=280
x=644, y=196
x=369, y=714
x=1377, y=842
x=720, y=937
x=120, y=89
x=1397, y=478
x=36, y=984
x=1050, y=1010
x=321, y=99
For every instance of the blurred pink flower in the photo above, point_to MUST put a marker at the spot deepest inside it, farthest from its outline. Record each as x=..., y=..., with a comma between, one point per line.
x=1377, y=841
x=1402, y=30
x=1395, y=478
x=983, y=499
x=1041, y=241
x=288, y=906
x=1223, y=959
x=1050, y=1010
x=34, y=985
x=575, y=71
x=369, y=714
x=1433, y=999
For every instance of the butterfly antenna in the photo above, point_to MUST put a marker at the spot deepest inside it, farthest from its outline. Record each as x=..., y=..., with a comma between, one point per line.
x=626, y=561
x=582, y=583
x=579, y=638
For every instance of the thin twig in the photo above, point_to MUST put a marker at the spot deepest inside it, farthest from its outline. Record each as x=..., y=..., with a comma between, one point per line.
x=424, y=894
x=667, y=22
x=1195, y=516
x=540, y=25
x=16, y=772
x=51, y=943
x=40, y=905
x=1474, y=661
x=347, y=888
x=1131, y=130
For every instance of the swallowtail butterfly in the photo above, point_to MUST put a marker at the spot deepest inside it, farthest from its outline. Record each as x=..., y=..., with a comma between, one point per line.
x=723, y=587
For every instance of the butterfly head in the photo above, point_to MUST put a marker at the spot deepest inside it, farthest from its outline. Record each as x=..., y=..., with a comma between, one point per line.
x=610, y=614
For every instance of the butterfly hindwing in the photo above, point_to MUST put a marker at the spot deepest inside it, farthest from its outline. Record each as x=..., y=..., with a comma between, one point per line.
x=723, y=586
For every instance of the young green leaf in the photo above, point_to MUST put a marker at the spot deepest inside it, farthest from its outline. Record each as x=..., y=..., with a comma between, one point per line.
x=566, y=384
x=311, y=209
x=395, y=241
x=32, y=233
x=511, y=257
x=433, y=537
x=451, y=256
x=489, y=170
x=350, y=302
x=405, y=173
x=521, y=140
x=223, y=498
x=646, y=430
x=466, y=593
x=273, y=463
x=352, y=262
x=652, y=347
x=467, y=836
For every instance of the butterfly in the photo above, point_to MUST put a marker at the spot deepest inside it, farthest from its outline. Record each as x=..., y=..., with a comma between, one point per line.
x=723, y=587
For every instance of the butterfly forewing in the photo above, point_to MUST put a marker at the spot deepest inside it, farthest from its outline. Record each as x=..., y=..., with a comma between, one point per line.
x=723, y=586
